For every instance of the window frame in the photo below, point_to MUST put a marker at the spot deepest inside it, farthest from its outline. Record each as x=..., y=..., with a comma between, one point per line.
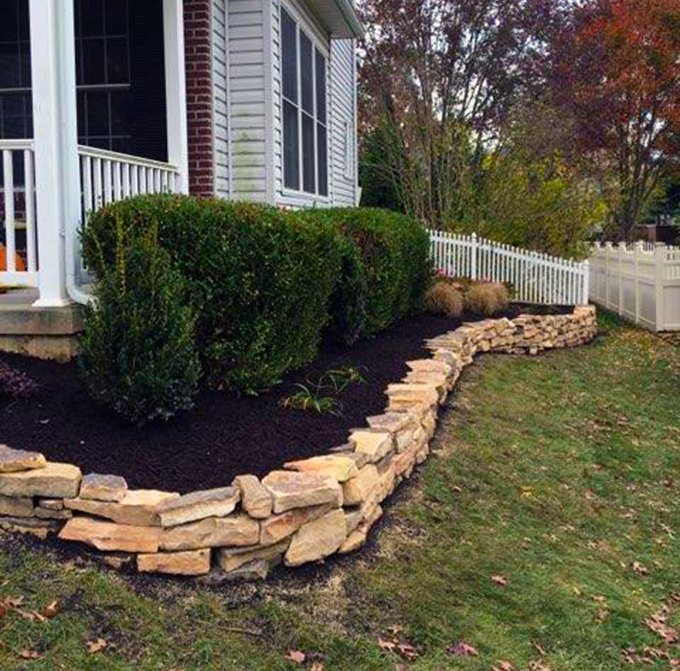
x=301, y=28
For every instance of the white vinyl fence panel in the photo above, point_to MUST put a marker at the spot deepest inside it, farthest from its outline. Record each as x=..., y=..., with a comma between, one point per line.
x=639, y=282
x=536, y=278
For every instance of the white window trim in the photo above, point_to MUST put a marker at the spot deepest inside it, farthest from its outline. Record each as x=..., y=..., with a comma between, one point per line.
x=325, y=52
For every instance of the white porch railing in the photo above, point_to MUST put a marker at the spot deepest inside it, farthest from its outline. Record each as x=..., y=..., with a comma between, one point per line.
x=536, y=278
x=18, y=214
x=106, y=177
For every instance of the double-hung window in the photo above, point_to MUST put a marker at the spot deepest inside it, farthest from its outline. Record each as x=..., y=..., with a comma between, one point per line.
x=305, y=130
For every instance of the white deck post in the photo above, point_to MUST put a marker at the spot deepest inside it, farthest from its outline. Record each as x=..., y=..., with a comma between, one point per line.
x=56, y=140
x=175, y=90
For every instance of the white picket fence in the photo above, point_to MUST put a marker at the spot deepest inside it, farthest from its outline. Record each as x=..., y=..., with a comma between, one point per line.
x=640, y=282
x=536, y=278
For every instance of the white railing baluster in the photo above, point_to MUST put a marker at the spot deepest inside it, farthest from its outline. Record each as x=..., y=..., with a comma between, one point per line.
x=98, y=193
x=10, y=226
x=29, y=198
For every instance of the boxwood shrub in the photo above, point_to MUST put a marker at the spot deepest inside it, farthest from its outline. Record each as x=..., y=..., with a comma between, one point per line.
x=138, y=351
x=259, y=278
x=395, y=270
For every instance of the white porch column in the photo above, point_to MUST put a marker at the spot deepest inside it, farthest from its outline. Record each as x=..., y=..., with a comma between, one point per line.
x=175, y=89
x=56, y=140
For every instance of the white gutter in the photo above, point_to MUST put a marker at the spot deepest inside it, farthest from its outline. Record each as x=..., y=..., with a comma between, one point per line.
x=74, y=290
x=350, y=13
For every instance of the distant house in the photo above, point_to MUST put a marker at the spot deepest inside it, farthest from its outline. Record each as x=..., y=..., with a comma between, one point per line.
x=102, y=99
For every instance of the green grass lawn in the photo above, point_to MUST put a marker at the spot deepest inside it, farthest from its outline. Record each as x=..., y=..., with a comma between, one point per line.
x=541, y=536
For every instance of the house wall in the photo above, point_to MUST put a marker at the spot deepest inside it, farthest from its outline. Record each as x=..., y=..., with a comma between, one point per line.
x=234, y=102
x=341, y=106
x=198, y=31
x=240, y=135
x=344, y=178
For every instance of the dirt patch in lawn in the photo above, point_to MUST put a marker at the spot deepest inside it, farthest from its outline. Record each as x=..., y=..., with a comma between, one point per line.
x=224, y=435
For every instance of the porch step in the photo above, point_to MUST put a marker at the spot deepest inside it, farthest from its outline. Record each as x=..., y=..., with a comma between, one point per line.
x=44, y=333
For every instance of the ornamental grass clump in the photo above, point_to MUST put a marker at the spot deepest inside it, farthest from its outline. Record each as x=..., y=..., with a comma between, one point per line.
x=138, y=344
x=487, y=299
x=444, y=299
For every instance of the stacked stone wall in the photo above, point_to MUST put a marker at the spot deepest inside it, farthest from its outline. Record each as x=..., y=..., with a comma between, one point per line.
x=308, y=510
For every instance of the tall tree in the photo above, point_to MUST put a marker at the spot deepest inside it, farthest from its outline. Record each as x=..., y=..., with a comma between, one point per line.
x=435, y=70
x=617, y=73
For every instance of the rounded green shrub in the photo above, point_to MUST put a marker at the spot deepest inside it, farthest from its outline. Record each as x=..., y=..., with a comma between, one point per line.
x=138, y=353
x=394, y=251
x=259, y=278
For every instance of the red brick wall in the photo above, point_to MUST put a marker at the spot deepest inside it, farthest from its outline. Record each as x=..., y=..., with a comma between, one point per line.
x=198, y=55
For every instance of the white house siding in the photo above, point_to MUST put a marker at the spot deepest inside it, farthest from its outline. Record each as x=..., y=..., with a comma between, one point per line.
x=343, y=111
x=220, y=112
x=248, y=124
x=341, y=92
x=240, y=135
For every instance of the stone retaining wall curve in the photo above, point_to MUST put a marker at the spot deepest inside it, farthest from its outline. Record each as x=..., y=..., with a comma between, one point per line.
x=308, y=510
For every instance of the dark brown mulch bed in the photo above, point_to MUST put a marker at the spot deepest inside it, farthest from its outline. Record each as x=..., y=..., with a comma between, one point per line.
x=224, y=435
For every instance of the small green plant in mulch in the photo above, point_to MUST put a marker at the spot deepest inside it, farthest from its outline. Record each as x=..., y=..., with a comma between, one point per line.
x=309, y=400
x=313, y=396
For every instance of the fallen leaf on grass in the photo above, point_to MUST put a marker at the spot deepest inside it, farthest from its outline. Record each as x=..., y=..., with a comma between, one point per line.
x=317, y=666
x=31, y=654
x=51, y=609
x=462, y=650
x=94, y=647
x=386, y=645
x=640, y=569
x=504, y=666
x=296, y=656
x=407, y=650
x=538, y=666
x=500, y=580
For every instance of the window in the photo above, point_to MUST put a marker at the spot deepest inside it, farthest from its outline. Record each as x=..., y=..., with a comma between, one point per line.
x=15, y=71
x=305, y=130
x=103, y=74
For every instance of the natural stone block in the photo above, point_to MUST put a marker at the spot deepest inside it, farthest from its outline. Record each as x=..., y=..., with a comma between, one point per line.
x=13, y=461
x=51, y=504
x=405, y=396
x=198, y=506
x=29, y=525
x=55, y=481
x=430, y=366
x=16, y=507
x=317, y=539
x=255, y=570
x=139, y=507
x=255, y=498
x=196, y=562
x=231, y=559
x=282, y=526
x=392, y=422
x=234, y=531
x=301, y=490
x=108, y=536
x=359, y=489
x=338, y=467
x=374, y=444
x=103, y=487
x=45, y=514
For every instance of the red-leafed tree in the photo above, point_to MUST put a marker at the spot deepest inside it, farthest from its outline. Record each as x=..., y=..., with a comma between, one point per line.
x=617, y=72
